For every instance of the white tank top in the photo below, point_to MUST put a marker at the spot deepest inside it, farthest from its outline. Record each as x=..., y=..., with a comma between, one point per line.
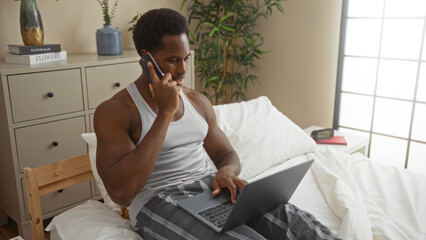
x=182, y=158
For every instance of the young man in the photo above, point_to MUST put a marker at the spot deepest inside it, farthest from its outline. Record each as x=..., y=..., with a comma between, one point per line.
x=155, y=139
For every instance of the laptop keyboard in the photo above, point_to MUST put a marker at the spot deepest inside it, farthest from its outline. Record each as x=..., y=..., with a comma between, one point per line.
x=218, y=214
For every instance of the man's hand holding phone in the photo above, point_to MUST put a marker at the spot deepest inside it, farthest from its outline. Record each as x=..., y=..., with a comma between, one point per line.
x=165, y=91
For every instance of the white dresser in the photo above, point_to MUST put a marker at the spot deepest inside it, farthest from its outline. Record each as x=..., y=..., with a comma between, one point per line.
x=43, y=112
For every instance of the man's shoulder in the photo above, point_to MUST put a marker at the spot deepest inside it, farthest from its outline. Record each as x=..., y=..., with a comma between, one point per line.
x=118, y=103
x=201, y=103
x=112, y=113
x=196, y=97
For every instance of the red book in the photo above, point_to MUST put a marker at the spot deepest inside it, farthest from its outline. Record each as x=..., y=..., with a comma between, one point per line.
x=339, y=140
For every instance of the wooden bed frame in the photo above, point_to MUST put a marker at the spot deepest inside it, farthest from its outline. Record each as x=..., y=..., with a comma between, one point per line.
x=50, y=178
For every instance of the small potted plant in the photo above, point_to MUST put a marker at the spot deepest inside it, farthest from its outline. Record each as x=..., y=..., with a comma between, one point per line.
x=108, y=38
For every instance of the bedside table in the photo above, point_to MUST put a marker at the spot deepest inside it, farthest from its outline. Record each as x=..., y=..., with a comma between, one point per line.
x=355, y=143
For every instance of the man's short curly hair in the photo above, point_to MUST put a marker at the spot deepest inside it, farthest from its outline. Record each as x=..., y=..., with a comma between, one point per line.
x=154, y=24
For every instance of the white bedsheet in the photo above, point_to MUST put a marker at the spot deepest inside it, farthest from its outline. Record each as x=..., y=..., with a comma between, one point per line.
x=371, y=200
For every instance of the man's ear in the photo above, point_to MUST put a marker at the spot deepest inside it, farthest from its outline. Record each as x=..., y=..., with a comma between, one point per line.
x=143, y=52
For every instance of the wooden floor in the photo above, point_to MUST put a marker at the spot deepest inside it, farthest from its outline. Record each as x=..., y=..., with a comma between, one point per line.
x=9, y=230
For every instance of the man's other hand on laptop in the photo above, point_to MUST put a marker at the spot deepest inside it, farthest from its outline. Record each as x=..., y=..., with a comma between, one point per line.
x=225, y=178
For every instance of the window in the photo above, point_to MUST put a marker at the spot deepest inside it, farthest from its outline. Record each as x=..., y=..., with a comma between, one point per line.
x=381, y=86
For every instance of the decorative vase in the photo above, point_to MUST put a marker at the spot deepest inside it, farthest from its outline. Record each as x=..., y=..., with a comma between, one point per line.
x=108, y=41
x=31, y=25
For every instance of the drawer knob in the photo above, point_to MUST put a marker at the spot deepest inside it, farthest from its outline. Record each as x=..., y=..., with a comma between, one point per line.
x=55, y=143
x=50, y=94
x=60, y=190
x=117, y=84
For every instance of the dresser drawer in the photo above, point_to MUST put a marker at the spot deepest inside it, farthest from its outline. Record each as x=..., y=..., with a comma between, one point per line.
x=44, y=94
x=60, y=199
x=104, y=81
x=50, y=142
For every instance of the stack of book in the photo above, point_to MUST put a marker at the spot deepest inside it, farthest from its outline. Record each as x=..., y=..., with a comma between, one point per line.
x=22, y=54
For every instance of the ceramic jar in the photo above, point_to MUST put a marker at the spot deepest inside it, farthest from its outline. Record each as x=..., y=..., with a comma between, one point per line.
x=108, y=41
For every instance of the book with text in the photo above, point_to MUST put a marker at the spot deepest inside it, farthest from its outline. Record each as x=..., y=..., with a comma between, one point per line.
x=35, y=58
x=21, y=49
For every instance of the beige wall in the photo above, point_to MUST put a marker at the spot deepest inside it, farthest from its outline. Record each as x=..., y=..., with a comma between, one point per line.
x=298, y=76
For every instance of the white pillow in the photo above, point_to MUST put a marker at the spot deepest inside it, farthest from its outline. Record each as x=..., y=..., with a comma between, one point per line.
x=261, y=135
x=91, y=220
x=90, y=139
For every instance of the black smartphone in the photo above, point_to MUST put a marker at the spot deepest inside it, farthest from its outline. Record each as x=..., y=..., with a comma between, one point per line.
x=144, y=63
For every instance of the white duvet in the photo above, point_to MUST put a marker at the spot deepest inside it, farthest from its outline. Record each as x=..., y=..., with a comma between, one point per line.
x=372, y=201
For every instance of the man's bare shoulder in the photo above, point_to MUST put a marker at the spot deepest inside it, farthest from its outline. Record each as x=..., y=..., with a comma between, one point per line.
x=116, y=109
x=120, y=101
x=196, y=97
x=200, y=102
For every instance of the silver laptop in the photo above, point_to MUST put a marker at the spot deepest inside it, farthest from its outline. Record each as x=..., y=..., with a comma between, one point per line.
x=256, y=198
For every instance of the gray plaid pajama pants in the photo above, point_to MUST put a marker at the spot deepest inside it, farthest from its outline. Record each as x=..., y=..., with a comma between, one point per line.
x=161, y=218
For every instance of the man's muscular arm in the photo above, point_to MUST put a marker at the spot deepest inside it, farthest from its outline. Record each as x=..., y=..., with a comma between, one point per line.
x=221, y=152
x=123, y=166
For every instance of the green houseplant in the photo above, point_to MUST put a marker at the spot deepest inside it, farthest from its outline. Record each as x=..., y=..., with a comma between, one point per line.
x=108, y=12
x=227, y=44
x=134, y=21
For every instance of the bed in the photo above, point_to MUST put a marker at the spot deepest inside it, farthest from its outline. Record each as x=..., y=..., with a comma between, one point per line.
x=353, y=196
